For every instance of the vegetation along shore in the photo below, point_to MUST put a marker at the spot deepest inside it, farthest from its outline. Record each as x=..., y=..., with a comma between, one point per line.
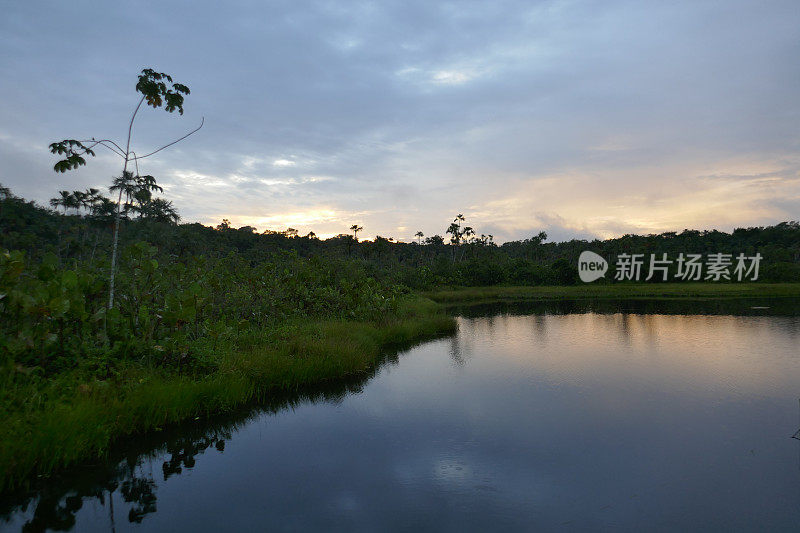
x=207, y=319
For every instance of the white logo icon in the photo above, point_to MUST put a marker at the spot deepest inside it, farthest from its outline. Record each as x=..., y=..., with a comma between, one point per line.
x=591, y=266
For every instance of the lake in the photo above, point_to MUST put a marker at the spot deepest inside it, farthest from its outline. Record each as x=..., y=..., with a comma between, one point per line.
x=570, y=416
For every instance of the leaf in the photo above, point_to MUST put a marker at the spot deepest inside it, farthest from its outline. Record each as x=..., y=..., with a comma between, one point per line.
x=58, y=306
x=99, y=315
x=69, y=279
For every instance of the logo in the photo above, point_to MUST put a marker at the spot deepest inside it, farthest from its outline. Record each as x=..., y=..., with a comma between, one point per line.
x=591, y=266
x=686, y=267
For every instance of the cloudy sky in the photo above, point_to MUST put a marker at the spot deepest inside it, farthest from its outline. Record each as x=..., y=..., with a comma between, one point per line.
x=578, y=118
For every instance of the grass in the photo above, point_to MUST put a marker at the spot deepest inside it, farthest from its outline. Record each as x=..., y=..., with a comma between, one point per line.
x=66, y=420
x=618, y=291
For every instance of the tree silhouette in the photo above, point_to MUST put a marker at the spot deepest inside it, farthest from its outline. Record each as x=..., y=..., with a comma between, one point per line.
x=89, y=198
x=64, y=200
x=458, y=235
x=419, y=235
x=157, y=90
x=355, y=228
x=160, y=210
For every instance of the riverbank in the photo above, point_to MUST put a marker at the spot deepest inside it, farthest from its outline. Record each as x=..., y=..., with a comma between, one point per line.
x=51, y=423
x=492, y=294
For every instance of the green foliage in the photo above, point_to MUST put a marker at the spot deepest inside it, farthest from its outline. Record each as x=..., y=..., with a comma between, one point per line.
x=475, y=261
x=158, y=89
x=55, y=318
x=73, y=150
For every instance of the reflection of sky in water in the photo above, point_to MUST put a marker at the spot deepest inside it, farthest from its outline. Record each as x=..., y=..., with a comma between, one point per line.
x=586, y=421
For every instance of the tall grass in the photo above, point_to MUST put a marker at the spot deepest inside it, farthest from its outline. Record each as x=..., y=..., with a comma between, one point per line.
x=618, y=290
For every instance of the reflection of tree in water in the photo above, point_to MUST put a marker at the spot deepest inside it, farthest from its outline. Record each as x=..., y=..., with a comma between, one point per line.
x=183, y=451
x=141, y=493
x=57, y=500
x=455, y=351
x=55, y=509
x=625, y=314
x=696, y=306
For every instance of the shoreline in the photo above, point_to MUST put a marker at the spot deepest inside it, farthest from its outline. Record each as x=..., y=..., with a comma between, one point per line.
x=622, y=291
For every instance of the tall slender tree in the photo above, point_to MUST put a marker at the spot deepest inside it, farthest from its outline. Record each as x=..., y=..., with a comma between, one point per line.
x=355, y=228
x=459, y=235
x=157, y=90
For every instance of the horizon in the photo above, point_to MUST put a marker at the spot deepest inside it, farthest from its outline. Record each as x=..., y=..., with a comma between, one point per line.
x=579, y=120
x=443, y=234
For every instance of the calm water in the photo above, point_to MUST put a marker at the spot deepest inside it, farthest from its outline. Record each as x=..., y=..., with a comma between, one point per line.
x=573, y=417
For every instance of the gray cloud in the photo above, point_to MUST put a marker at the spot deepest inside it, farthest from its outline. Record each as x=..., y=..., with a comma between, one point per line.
x=579, y=118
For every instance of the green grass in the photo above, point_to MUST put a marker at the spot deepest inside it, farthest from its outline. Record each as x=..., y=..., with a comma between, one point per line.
x=65, y=420
x=620, y=290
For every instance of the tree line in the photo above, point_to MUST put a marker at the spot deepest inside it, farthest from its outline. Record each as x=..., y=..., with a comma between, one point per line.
x=83, y=229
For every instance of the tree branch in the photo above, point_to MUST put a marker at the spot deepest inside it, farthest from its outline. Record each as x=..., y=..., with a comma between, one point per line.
x=116, y=148
x=202, y=121
x=135, y=162
x=130, y=129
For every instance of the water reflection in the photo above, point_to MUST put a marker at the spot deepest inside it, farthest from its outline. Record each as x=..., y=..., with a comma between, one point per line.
x=127, y=475
x=586, y=415
x=643, y=306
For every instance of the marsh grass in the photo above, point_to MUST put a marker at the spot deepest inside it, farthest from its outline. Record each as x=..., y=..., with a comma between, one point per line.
x=617, y=290
x=53, y=423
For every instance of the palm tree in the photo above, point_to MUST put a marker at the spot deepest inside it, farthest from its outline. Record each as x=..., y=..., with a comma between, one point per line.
x=65, y=200
x=138, y=188
x=161, y=210
x=457, y=234
x=90, y=197
x=55, y=202
x=143, y=199
x=124, y=185
x=148, y=183
x=355, y=228
x=103, y=209
x=455, y=231
x=79, y=201
x=419, y=235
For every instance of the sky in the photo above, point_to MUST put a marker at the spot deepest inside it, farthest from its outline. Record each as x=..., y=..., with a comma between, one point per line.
x=580, y=119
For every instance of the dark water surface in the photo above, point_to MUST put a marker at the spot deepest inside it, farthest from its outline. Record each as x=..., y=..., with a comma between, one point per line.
x=598, y=416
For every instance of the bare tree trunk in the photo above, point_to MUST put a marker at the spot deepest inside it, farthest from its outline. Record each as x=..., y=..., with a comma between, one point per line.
x=111, y=511
x=116, y=220
x=114, y=248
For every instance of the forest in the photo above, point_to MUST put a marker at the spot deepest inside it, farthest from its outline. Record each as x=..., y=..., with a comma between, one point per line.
x=181, y=282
